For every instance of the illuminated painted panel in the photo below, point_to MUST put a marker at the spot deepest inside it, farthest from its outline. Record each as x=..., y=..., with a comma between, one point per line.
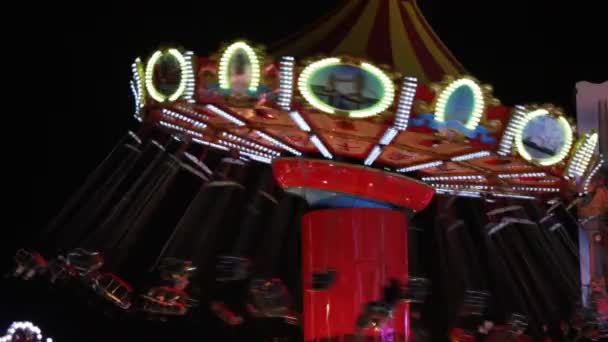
x=239, y=69
x=544, y=138
x=359, y=91
x=462, y=101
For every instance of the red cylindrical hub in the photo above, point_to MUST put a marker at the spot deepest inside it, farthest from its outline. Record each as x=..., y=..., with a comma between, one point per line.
x=366, y=247
x=355, y=240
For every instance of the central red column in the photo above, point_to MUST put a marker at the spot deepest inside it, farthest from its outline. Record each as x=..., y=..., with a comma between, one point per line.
x=356, y=232
x=366, y=247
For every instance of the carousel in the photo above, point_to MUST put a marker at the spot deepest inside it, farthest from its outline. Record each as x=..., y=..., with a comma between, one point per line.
x=351, y=128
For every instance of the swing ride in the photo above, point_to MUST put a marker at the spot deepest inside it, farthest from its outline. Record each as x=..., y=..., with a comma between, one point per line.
x=348, y=146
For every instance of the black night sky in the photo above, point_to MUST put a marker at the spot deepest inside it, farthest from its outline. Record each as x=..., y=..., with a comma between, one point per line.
x=528, y=53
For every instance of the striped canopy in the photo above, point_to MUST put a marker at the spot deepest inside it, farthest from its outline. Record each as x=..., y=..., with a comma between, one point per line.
x=392, y=32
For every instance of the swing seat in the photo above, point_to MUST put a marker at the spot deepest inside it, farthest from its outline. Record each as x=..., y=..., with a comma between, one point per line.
x=231, y=268
x=84, y=261
x=167, y=301
x=374, y=315
x=225, y=314
x=60, y=270
x=474, y=303
x=30, y=259
x=271, y=299
x=416, y=290
x=176, y=272
x=113, y=289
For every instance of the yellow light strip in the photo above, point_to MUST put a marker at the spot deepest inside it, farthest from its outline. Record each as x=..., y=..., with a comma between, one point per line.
x=225, y=62
x=478, y=102
x=519, y=143
x=182, y=74
x=150, y=87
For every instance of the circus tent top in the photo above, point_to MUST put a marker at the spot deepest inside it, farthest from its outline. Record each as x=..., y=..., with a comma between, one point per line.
x=391, y=32
x=372, y=85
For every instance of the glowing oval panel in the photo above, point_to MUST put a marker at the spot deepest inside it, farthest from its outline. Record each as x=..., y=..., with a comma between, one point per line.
x=360, y=91
x=462, y=101
x=165, y=75
x=544, y=138
x=239, y=69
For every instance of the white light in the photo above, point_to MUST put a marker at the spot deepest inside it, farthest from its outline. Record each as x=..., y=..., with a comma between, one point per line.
x=515, y=124
x=251, y=144
x=421, y=166
x=473, y=155
x=460, y=193
x=225, y=115
x=299, y=120
x=198, y=163
x=504, y=210
x=523, y=175
x=277, y=143
x=192, y=112
x=286, y=83
x=260, y=159
x=555, y=227
x=180, y=129
x=473, y=178
x=184, y=118
x=188, y=74
x=245, y=149
x=535, y=189
x=406, y=100
x=210, y=144
x=388, y=136
x=373, y=155
x=27, y=326
x=461, y=186
x=514, y=196
x=319, y=145
x=592, y=174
